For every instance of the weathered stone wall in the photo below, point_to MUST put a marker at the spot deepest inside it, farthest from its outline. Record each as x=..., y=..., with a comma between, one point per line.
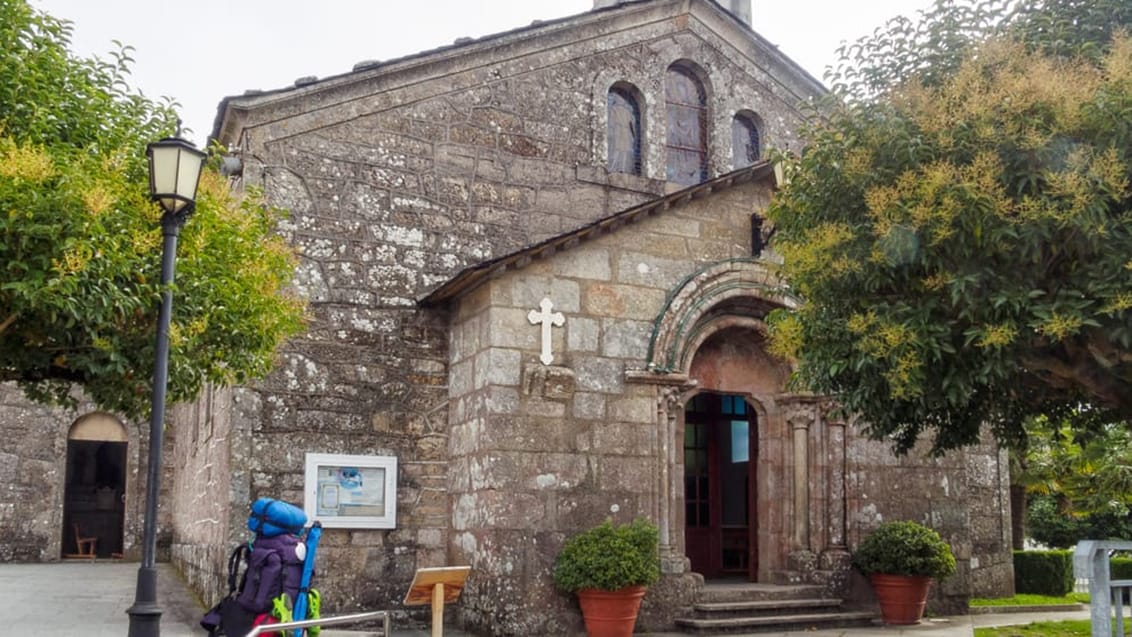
x=400, y=176
x=962, y=495
x=33, y=459
x=33, y=465
x=992, y=561
x=210, y=494
x=542, y=451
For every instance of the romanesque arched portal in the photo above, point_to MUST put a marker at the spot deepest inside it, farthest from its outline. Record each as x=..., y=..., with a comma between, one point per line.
x=748, y=470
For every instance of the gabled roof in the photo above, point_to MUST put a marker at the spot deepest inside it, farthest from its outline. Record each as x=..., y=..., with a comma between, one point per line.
x=475, y=275
x=463, y=50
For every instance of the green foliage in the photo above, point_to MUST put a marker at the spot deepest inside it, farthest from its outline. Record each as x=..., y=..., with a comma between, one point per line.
x=1078, y=479
x=1120, y=568
x=1043, y=572
x=80, y=243
x=1054, y=525
x=609, y=557
x=904, y=548
x=1086, y=467
x=959, y=224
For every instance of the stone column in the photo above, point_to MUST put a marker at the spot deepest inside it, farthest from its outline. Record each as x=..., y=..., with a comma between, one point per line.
x=835, y=558
x=800, y=412
x=800, y=425
x=669, y=484
x=836, y=483
x=667, y=404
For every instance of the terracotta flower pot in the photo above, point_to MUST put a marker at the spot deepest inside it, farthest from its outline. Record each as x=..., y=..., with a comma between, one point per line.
x=610, y=613
x=902, y=597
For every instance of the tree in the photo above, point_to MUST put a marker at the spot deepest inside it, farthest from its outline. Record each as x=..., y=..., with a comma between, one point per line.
x=958, y=223
x=80, y=243
x=1052, y=526
x=1087, y=471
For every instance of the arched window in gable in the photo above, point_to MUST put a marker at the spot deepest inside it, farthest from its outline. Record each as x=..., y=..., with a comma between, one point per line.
x=745, y=143
x=686, y=102
x=623, y=130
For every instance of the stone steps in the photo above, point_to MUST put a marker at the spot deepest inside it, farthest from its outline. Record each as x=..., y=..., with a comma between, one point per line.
x=769, y=607
x=774, y=623
x=741, y=607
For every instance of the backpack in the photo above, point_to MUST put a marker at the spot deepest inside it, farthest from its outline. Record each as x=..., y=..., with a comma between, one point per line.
x=262, y=573
x=271, y=566
x=274, y=566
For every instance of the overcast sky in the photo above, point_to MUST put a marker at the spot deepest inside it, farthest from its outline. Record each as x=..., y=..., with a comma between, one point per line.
x=201, y=51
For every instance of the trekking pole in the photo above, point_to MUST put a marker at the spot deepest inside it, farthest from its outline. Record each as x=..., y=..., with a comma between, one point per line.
x=302, y=601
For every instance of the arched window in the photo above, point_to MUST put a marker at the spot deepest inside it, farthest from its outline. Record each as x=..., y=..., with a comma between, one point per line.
x=745, y=148
x=686, y=101
x=623, y=131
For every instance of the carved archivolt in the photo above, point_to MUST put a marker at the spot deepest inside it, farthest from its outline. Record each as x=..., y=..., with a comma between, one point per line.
x=722, y=295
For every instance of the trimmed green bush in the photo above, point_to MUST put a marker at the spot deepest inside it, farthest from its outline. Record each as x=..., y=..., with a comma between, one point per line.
x=904, y=548
x=1120, y=568
x=609, y=557
x=1043, y=572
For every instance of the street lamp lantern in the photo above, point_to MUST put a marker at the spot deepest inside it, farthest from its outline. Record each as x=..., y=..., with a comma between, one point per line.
x=174, y=172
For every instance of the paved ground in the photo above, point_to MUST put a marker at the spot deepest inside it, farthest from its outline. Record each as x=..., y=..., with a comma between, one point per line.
x=89, y=599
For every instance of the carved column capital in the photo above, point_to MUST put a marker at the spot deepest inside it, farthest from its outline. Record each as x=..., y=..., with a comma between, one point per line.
x=799, y=420
x=832, y=413
x=670, y=398
x=800, y=411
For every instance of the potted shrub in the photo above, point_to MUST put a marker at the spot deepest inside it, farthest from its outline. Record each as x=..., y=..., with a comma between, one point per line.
x=609, y=567
x=901, y=559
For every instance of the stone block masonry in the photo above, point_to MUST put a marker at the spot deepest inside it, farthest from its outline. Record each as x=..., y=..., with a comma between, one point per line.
x=396, y=184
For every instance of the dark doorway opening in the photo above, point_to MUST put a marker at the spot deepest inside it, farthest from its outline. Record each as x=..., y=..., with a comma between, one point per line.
x=720, y=508
x=94, y=502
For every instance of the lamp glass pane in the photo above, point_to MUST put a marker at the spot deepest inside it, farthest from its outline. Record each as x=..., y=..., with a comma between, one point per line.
x=188, y=174
x=163, y=169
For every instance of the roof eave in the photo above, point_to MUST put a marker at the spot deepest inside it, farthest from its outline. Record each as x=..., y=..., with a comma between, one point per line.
x=474, y=276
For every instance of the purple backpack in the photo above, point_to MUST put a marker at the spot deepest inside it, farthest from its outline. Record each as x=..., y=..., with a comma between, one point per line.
x=272, y=566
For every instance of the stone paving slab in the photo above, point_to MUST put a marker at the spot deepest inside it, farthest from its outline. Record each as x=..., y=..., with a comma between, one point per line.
x=89, y=599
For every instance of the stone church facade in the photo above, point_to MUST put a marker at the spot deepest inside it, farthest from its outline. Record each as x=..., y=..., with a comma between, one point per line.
x=538, y=279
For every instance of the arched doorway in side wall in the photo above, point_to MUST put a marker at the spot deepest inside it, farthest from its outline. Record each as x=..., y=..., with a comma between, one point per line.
x=94, y=492
x=720, y=506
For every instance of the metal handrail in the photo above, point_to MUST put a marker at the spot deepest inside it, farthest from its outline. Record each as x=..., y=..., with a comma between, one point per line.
x=1106, y=596
x=325, y=621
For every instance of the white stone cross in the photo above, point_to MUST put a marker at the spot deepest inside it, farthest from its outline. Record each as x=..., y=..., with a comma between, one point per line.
x=547, y=318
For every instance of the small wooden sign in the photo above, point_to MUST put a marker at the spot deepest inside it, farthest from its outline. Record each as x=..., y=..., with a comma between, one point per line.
x=452, y=577
x=438, y=586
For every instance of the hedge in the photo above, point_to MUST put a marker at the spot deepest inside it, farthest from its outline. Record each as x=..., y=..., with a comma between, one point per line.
x=1044, y=572
x=1120, y=568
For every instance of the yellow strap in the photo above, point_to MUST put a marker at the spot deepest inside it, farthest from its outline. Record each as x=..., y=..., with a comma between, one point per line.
x=314, y=601
x=281, y=607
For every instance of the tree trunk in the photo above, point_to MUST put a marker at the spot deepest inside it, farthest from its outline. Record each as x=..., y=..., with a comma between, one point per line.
x=1017, y=516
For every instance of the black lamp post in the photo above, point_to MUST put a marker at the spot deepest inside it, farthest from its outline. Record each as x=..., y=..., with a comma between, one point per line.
x=174, y=172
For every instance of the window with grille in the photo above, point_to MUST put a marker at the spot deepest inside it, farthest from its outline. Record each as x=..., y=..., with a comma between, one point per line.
x=686, y=102
x=623, y=131
x=744, y=142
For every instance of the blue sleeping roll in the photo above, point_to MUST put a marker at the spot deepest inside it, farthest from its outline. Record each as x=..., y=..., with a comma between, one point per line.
x=271, y=517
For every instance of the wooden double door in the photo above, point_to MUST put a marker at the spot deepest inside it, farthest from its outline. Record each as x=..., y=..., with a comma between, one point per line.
x=720, y=473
